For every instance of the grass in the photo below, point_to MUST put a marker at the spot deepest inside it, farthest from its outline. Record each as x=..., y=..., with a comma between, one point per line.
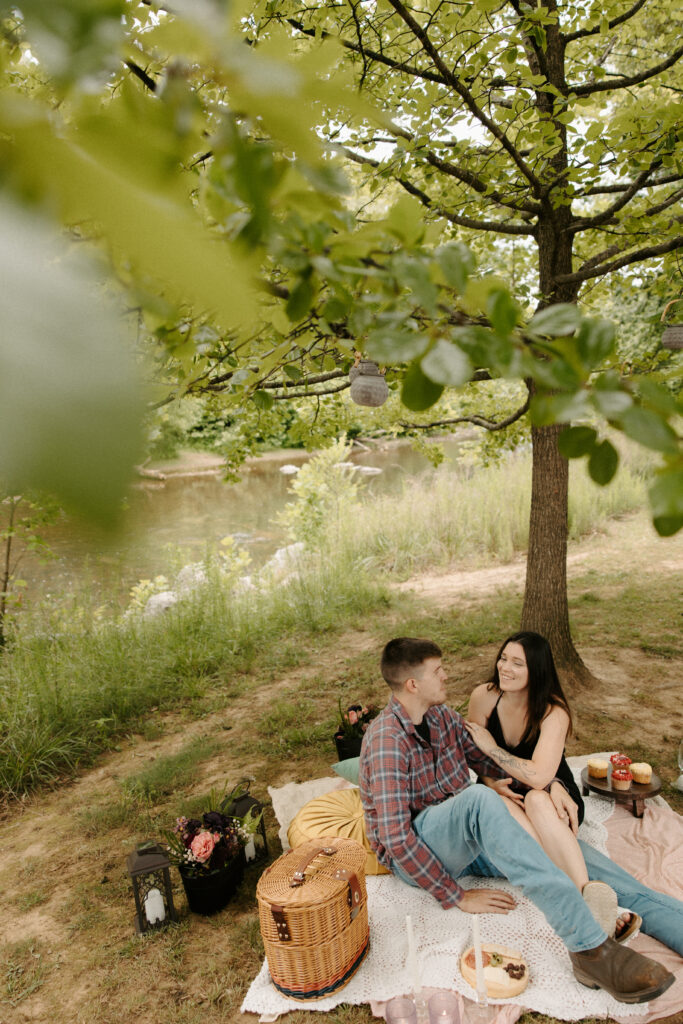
x=72, y=687
x=282, y=714
x=456, y=515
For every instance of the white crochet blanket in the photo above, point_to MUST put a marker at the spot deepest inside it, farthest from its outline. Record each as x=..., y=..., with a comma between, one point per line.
x=442, y=935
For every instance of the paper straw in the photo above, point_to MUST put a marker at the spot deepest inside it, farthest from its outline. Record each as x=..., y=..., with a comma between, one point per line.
x=412, y=957
x=478, y=962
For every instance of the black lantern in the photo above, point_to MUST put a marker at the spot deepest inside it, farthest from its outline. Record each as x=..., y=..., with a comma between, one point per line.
x=148, y=867
x=241, y=804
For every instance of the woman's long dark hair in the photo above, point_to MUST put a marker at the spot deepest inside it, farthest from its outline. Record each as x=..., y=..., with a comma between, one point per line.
x=544, y=689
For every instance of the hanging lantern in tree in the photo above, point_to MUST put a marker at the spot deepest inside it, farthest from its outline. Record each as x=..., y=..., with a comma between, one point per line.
x=241, y=804
x=149, y=870
x=673, y=334
x=368, y=386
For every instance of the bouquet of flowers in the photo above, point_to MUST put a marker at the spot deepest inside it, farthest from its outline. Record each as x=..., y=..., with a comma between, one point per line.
x=201, y=845
x=355, y=720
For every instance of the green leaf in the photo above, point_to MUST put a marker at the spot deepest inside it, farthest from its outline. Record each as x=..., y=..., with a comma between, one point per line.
x=262, y=400
x=557, y=321
x=649, y=429
x=300, y=299
x=595, y=341
x=658, y=396
x=577, y=441
x=446, y=364
x=395, y=345
x=666, y=499
x=71, y=402
x=457, y=263
x=612, y=404
x=503, y=311
x=603, y=462
x=545, y=409
x=406, y=220
x=293, y=372
x=419, y=392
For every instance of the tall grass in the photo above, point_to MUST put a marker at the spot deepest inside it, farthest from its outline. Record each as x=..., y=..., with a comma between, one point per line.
x=64, y=697
x=450, y=515
x=68, y=689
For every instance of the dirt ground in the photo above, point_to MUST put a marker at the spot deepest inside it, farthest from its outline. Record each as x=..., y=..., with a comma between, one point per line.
x=64, y=895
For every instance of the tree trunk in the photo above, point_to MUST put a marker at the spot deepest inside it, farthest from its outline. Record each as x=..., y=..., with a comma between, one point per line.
x=546, y=609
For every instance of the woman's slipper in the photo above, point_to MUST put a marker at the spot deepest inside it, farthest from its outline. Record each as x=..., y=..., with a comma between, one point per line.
x=631, y=928
x=602, y=902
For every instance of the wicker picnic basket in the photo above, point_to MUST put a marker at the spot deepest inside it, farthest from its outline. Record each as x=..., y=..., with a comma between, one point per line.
x=313, y=913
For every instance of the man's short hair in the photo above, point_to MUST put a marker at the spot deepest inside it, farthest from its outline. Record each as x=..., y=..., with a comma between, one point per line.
x=402, y=656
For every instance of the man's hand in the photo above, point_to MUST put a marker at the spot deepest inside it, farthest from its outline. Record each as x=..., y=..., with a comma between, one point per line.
x=486, y=901
x=566, y=808
x=502, y=787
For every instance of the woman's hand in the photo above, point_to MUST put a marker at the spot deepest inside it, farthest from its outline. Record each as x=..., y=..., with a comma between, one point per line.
x=481, y=736
x=566, y=808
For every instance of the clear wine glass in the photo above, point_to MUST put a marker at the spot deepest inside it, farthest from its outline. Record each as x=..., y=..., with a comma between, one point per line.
x=679, y=781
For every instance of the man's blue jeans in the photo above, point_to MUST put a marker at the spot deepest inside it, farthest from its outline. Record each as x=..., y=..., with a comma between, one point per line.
x=662, y=915
x=473, y=833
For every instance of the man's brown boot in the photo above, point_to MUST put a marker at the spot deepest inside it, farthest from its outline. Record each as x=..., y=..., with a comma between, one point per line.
x=628, y=976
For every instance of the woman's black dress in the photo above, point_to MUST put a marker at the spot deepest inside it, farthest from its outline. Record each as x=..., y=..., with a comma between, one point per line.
x=525, y=750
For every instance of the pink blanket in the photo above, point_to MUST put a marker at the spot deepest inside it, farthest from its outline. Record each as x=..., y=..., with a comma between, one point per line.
x=651, y=849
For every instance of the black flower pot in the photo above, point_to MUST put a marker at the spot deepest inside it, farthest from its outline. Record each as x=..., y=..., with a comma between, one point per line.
x=347, y=746
x=208, y=893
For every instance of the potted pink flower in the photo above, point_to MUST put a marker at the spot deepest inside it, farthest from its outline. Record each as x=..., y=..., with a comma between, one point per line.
x=209, y=854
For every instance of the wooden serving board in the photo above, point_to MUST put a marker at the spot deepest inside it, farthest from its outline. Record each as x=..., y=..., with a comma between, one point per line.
x=634, y=795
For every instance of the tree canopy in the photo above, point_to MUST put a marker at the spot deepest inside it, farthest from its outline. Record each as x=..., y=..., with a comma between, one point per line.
x=264, y=189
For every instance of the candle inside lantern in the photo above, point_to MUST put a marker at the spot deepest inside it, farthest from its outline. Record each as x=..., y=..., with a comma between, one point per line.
x=250, y=849
x=154, y=906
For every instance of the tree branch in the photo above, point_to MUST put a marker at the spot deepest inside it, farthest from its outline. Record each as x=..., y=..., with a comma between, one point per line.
x=363, y=51
x=623, y=83
x=626, y=16
x=466, y=176
x=142, y=75
x=585, y=273
x=583, y=223
x=603, y=190
x=312, y=394
x=478, y=421
x=454, y=82
x=455, y=218
x=318, y=378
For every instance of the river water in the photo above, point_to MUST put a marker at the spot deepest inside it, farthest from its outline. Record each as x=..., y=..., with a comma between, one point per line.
x=174, y=521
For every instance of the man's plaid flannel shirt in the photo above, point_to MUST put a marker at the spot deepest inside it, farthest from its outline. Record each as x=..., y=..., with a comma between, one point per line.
x=400, y=775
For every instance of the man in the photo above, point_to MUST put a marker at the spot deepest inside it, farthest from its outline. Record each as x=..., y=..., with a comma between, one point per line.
x=430, y=827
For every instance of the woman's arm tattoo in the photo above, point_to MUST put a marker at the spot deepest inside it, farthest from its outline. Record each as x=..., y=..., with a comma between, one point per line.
x=505, y=759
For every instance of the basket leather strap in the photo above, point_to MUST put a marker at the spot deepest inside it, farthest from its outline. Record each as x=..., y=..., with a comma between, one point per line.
x=354, y=889
x=280, y=923
x=299, y=872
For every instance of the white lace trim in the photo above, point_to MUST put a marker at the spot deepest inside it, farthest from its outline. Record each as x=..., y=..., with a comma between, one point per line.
x=442, y=935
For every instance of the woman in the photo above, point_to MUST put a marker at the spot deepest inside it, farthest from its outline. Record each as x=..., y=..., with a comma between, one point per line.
x=521, y=721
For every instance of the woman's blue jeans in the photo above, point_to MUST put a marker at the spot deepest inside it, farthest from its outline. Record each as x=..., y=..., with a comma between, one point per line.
x=474, y=834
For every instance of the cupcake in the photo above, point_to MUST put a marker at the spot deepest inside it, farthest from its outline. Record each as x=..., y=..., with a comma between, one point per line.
x=597, y=768
x=620, y=760
x=641, y=772
x=621, y=778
